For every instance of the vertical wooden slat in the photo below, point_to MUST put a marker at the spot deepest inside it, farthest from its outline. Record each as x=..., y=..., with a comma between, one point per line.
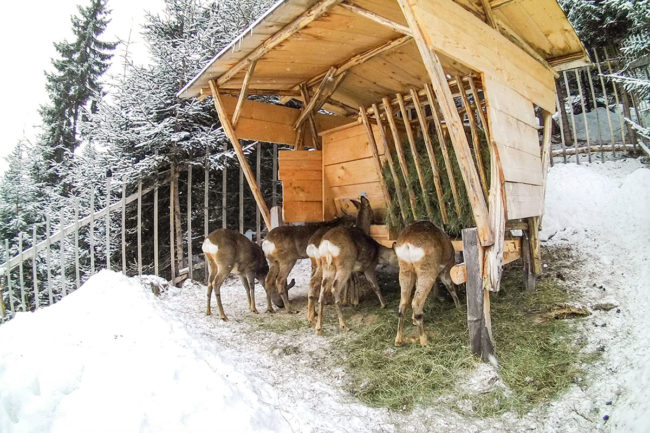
x=34, y=270
x=593, y=98
x=618, y=102
x=21, y=279
x=258, y=170
x=560, y=117
x=584, y=112
x=479, y=108
x=400, y=154
x=424, y=126
x=391, y=165
x=206, y=191
x=124, y=227
x=172, y=249
x=156, y=264
x=92, y=231
x=224, y=194
x=609, y=117
x=108, y=223
x=443, y=145
x=274, y=193
x=140, y=228
x=178, y=229
x=64, y=289
x=573, y=120
x=241, y=201
x=190, y=260
x=48, y=260
x=10, y=292
x=375, y=155
x=414, y=154
x=77, y=276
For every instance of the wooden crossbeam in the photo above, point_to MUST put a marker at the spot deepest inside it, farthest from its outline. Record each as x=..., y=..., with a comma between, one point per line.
x=304, y=92
x=454, y=126
x=309, y=107
x=243, y=93
x=489, y=15
x=399, y=28
x=307, y=17
x=248, y=173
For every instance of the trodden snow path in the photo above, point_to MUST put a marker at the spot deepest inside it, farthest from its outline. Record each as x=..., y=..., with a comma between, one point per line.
x=112, y=357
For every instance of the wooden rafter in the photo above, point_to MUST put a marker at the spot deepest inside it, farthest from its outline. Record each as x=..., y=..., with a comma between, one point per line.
x=230, y=133
x=312, y=123
x=454, y=126
x=309, y=107
x=489, y=15
x=243, y=93
x=432, y=157
x=399, y=28
x=313, y=13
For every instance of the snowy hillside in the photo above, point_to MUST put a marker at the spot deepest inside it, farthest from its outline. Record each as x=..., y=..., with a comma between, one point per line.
x=112, y=357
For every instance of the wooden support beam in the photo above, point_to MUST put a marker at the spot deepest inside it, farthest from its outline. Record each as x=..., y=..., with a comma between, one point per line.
x=454, y=125
x=414, y=154
x=399, y=28
x=432, y=157
x=478, y=300
x=546, y=147
x=476, y=145
x=536, y=256
x=304, y=19
x=230, y=133
x=304, y=92
x=375, y=155
x=443, y=147
x=403, y=205
x=526, y=256
x=494, y=254
x=325, y=84
x=479, y=107
x=489, y=15
x=242, y=97
x=284, y=93
x=400, y=155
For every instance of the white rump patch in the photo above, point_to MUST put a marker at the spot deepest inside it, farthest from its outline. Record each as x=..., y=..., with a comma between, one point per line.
x=327, y=248
x=268, y=247
x=209, y=247
x=409, y=253
x=312, y=251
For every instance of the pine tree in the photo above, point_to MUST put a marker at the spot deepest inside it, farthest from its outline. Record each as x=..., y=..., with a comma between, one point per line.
x=74, y=85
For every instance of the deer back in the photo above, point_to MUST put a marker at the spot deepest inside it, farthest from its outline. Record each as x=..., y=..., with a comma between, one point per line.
x=423, y=242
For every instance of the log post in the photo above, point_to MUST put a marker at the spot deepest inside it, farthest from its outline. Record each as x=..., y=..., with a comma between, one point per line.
x=526, y=258
x=172, y=250
x=478, y=299
x=375, y=154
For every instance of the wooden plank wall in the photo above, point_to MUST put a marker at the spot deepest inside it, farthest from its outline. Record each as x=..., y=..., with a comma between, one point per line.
x=513, y=128
x=302, y=185
x=349, y=170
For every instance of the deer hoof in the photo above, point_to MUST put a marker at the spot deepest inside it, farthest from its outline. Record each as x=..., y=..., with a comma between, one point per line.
x=224, y=318
x=270, y=310
x=398, y=341
x=383, y=305
x=319, y=331
x=208, y=313
x=345, y=329
x=255, y=311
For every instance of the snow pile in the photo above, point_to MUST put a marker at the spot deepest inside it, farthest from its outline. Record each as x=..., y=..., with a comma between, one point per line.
x=108, y=359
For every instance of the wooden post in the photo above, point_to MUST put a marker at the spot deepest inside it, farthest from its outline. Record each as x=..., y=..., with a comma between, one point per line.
x=478, y=300
x=593, y=98
x=573, y=117
x=443, y=146
x=10, y=292
x=258, y=172
x=64, y=290
x=274, y=194
x=34, y=270
x=454, y=126
x=230, y=132
x=108, y=223
x=560, y=117
x=172, y=249
x=140, y=228
x=475, y=140
x=3, y=308
x=155, y=228
x=322, y=90
x=479, y=108
x=375, y=155
x=190, y=261
x=241, y=201
x=424, y=126
x=123, y=227
x=243, y=93
x=609, y=117
x=546, y=147
x=312, y=123
x=77, y=276
x=414, y=154
x=526, y=257
x=92, y=232
x=400, y=154
x=48, y=261
x=21, y=278
x=533, y=233
x=584, y=112
x=391, y=165
x=206, y=191
x=178, y=230
x=618, y=102
x=224, y=193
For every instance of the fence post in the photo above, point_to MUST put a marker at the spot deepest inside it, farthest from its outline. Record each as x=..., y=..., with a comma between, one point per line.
x=34, y=270
x=172, y=251
x=618, y=102
x=241, y=201
x=108, y=222
x=92, y=231
x=155, y=227
x=189, y=221
x=573, y=118
x=140, y=228
x=206, y=188
x=64, y=290
x=48, y=262
x=258, y=168
x=20, y=270
x=584, y=112
x=76, y=244
x=274, y=194
x=10, y=292
x=593, y=97
x=609, y=117
x=123, y=227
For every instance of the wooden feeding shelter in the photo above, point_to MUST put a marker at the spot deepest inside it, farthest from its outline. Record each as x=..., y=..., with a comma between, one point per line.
x=373, y=76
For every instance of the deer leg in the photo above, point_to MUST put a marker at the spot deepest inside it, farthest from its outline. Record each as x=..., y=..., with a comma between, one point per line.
x=451, y=288
x=249, y=284
x=218, y=281
x=244, y=282
x=326, y=284
x=372, y=277
x=423, y=287
x=269, y=284
x=212, y=273
x=314, y=289
x=406, y=283
x=281, y=283
x=340, y=280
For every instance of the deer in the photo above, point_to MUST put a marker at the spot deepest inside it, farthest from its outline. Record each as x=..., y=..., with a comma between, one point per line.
x=344, y=250
x=229, y=251
x=283, y=246
x=424, y=253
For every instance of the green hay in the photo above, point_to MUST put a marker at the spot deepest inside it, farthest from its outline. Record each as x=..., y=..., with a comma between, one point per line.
x=456, y=222
x=538, y=359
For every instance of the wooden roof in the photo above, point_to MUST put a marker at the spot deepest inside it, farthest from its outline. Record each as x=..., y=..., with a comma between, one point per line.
x=335, y=37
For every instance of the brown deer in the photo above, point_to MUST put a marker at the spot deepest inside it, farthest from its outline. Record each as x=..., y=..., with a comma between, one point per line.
x=344, y=250
x=424, y=253
x=283, y=246
x=229, y=251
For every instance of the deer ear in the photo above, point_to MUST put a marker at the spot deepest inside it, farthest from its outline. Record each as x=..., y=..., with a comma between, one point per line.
x=356, y=203
x=364, y=199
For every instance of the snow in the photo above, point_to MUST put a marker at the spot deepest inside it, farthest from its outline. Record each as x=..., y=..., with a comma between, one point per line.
x=113, y=357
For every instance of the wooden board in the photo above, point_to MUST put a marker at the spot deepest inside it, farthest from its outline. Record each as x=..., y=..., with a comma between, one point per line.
x=507, y=100
x=303, y=211
x=302, y=190
x=302, y=185
x=524, y=200
x=349, y=145
x=351, y=172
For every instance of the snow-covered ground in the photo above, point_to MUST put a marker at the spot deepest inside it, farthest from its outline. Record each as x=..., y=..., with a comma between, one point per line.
x=113, y=357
